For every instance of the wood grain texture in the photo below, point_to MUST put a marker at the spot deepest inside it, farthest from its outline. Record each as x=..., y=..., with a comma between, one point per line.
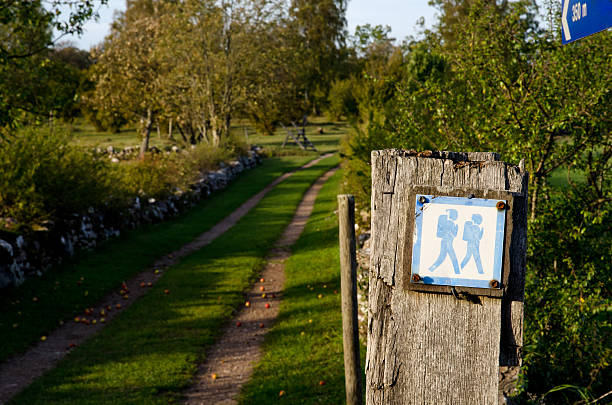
x=430, y=348
x=348, y=287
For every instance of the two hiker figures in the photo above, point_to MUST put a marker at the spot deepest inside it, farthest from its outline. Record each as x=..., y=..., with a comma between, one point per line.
x=472, y=234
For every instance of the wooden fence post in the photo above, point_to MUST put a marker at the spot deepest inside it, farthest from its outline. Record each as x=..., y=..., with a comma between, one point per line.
x=348, y=287
x=443, y=344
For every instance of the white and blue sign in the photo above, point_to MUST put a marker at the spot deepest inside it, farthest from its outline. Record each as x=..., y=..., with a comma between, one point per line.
x=581, y=18
x=458, y=241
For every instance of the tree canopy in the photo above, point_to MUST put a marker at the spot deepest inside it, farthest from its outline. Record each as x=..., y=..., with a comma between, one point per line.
x=32, y=81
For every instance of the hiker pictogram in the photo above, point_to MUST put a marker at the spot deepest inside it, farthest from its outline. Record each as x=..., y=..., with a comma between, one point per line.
x=447, y=231
x=472, y=234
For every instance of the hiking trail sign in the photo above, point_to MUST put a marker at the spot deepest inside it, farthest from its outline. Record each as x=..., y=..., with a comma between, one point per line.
x=458, y=241
x=581, y=18
x=447, y=278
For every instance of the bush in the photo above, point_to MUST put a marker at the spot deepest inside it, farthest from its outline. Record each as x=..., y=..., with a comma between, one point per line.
x=342, y=102
x=155, y=176
x=158, y=176
x=43, y=178
x=264, y=117
x=567, y=304
x=232, y=145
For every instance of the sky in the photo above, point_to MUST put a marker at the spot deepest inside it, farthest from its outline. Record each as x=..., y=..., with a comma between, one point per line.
x=400, y=15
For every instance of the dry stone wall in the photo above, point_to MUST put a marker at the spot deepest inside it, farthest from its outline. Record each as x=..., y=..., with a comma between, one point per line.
x=24, y=256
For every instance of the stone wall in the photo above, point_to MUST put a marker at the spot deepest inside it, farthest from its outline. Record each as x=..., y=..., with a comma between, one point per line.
x=23, y=256
x=132, y=152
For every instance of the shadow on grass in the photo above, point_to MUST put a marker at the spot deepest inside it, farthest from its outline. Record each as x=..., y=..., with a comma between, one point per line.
x=155, y=345
x=23, y=321
x=303, y=351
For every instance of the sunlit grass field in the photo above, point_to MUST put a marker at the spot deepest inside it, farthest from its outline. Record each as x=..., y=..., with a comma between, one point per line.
x=303, y=359
x=85, y=135
x=149, y=353
x=23, y=321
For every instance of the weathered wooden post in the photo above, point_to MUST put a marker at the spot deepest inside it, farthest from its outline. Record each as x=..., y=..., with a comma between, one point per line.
x=446, y=278
x=348, y=287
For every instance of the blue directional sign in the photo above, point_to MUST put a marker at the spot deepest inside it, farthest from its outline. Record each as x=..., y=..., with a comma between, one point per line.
x=581, y=18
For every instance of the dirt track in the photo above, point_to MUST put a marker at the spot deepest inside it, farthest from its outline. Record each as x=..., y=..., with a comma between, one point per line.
x=20, y=371
x=230, y=361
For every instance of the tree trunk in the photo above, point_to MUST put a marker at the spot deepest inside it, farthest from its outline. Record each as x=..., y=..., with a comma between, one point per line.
x=180, y=128
x=534, y=197
x=170, y=130
x=215, y=137
x=148, y=123
x=192, y=135
x=206, y=131
x=228, y=120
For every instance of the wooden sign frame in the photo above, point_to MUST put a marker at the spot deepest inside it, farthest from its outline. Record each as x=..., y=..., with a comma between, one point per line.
x=411, y=285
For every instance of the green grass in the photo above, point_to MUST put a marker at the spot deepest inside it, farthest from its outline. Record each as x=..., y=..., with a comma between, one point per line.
x=23, y=321
x=558, y=178
x=149, y=353
x=304, y=347
x=87, y=136
x=326, y=142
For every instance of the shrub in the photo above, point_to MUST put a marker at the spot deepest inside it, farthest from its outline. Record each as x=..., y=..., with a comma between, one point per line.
x=43, y=178
x=342, y=102
x=567, y=312
x=233, y=145
x=159, y=175
x=265, y=118
x=153, y=177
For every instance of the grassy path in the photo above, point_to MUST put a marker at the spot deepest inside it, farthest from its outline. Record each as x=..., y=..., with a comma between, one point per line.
x=303, y=361
x=33, y=310
x=148, y=354
x=229, y=362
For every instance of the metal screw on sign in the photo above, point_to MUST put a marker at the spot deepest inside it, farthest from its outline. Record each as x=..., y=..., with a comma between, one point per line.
x=422, y=199
x=500, y=205
x=416, y=278
x=494, y=283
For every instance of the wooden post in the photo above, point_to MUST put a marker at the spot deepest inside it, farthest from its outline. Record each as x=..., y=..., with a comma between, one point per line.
x=434, y=347
x=348, y=286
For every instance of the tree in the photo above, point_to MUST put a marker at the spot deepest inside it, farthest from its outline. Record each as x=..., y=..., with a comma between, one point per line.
x=274, y=91
x=513, y=88
x=29, y=77
x=229, y=54
x=128, y=70
x=319, y=34
x=70, y=55
x=454, y=13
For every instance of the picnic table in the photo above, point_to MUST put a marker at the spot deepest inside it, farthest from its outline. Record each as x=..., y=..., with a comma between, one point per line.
x=298, y=135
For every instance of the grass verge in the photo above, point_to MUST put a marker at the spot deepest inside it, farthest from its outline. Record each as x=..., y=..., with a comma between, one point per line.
x=303, y=357
x=85, y=135
x=149, y=353
x=39, y=305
